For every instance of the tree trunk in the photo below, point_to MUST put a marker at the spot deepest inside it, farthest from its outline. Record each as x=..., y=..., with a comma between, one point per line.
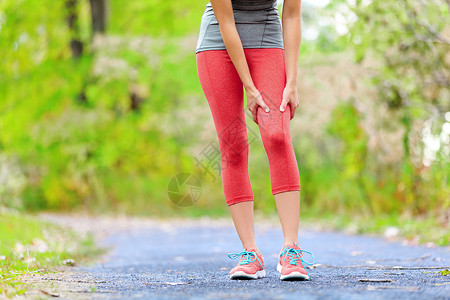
x=72, y=21
x=98, y=14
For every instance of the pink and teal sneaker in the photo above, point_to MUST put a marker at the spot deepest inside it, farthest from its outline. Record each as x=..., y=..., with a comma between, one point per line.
x=250, y=266
x=290, y=263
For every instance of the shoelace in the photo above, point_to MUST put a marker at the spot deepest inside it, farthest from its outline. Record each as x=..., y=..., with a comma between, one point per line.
x=247, y=257
x=291, y=252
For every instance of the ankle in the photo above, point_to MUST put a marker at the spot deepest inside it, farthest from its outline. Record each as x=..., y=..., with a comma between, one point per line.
x=248, y=247
x=287, y=242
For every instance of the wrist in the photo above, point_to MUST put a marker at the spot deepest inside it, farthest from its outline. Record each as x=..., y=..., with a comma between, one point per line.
x=251, y=88
x=291, y=82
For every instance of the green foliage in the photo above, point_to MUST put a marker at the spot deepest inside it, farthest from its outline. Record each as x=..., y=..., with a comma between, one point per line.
x=76, y=150
x=72, y=130
x=420, y=229
x=30, y=33
x=29, y=245
x=407, y=48
x=408, y=45
x=155, y=17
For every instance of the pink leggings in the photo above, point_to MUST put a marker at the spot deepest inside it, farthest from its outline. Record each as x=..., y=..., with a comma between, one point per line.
x=224, y=91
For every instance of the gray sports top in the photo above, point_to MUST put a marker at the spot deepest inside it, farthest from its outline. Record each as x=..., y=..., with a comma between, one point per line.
x=257, y=22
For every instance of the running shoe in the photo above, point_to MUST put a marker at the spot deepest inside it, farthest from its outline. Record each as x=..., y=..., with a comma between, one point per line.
x=290, y=263
x=250, y=265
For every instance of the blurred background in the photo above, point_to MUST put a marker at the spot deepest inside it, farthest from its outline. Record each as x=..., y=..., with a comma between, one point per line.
x=101, y=110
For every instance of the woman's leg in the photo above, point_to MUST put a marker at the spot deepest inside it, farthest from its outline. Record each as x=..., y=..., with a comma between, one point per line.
x=267, y=67
x=288, y=206
x=225, y=95
x=242, y=214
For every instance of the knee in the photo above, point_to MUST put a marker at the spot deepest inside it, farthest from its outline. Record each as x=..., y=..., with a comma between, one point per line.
x=234, y=159
x=276, y=138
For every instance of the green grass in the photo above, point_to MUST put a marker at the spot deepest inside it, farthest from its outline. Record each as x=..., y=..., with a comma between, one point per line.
x=30, y=245
x=419, y=230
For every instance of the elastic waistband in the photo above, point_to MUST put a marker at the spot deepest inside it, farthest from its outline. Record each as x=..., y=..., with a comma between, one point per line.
x=252, y=4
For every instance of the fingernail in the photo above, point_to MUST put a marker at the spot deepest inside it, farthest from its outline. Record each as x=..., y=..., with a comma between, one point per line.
x=267, y=109
x=281, y=109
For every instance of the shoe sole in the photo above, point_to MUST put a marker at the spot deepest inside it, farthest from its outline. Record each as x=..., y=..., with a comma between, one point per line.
x=243, y=275
x=292, y=275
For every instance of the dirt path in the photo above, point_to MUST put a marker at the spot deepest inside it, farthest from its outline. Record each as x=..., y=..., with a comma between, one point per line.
x=188, y=259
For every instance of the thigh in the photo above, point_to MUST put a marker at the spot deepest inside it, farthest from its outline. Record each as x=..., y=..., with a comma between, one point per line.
x=267, y=68
x=224, y=92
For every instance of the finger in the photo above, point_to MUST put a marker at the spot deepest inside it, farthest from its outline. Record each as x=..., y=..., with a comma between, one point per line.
x=289, y=107
x=283, y=104
x=255, y=119
x=292, y=111
x=252, y=110
x=251, y=104
x=263, y=104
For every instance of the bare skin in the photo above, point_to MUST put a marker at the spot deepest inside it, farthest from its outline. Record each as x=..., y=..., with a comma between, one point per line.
x=288, y=207
x=288, y=203
x=242, y=215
